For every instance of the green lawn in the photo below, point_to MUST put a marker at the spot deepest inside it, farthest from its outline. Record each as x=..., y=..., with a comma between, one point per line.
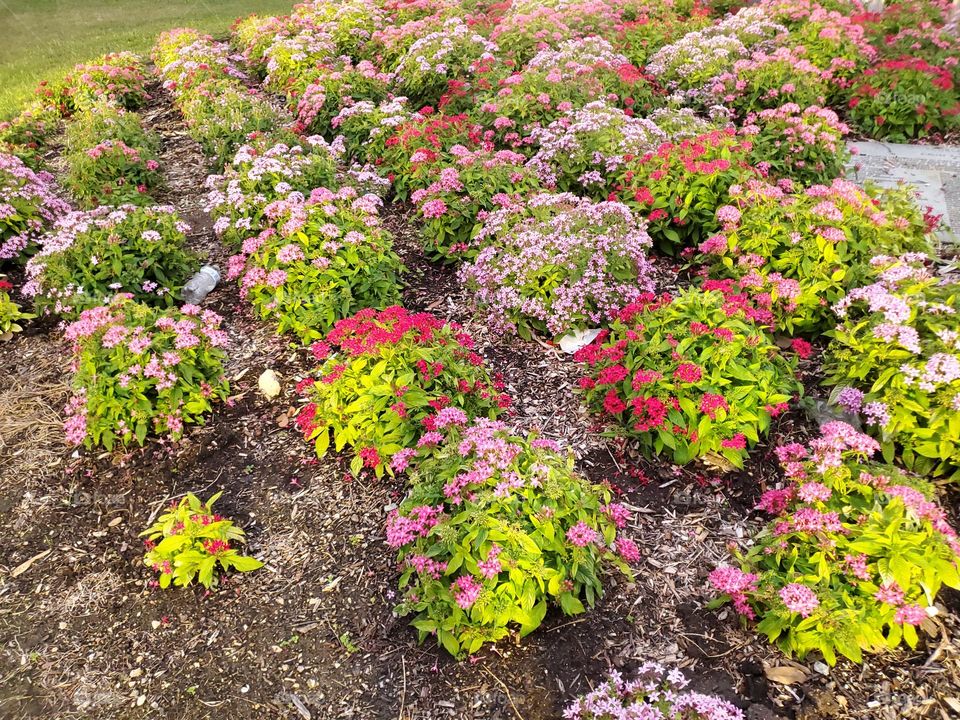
x=43, y=38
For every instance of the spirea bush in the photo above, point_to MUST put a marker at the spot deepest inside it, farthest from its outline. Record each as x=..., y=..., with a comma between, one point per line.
x=325, y=258
x=680, y=185
x=453, y=206
x=141, y=371
x=327, y=89
x=438, y=57
x=580, y=151
x=496, y=528
x=27, y=134
x=854, y=558
x=557, y=263
x=89, y=257
x=804, y=145
x=654, y=692
x=895, y=360
x=904, y=99
x=111, y=158
x=694, y=59
x=28, y=205
x=259, y=176
x=190, y=540
x=822, y=237
x=120, y=78
x=769, y=80
x=557, y=81
x=689, y=376
x=383, y=379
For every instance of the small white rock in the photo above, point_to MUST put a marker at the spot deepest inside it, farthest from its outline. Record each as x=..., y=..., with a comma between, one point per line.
x=269, y=384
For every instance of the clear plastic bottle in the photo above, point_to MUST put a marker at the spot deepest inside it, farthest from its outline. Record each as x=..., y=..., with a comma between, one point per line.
x=200, y=285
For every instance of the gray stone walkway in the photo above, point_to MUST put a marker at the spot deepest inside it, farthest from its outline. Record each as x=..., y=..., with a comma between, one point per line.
x=934, y=170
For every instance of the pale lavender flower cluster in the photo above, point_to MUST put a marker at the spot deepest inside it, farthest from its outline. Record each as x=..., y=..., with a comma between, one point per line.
x=560, y=263
x=449, y=52
x=655, y=693
x=694, y=59
x=586, y=144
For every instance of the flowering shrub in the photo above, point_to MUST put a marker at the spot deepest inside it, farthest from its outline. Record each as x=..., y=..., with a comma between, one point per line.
x=141, y=371
x=28, y=204
x=832, y=41
x=805, y=146
x=291, y=56
x=692, y=376
x=120, y=78
x=903, y=99
x=895, y=358
x=89, y=257
x=557, y=263
x=350, y=24
x=366, y=127
x=557, y=81
x=680, y=185
x=111, y=158
x=10, y=313
x=579, y=150
x=453, y=206
x=392, y=41
x=497, y=526
x=436, y=58
x=655, y=692
x=653, y=27
x=394, y=373
x=188, y=542
x=854, y=559
x=821, y=237
x=27, y=133
x=325, y=258
x=694, y=59
x=259, y=176
x=769, y=80
x=329, y=88
x=254, y=35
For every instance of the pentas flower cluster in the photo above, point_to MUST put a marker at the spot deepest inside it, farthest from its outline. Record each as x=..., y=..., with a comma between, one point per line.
x=366, y=127
x=396, y=372
x=350, y=24
x=10, y=313
x=321, y=259
x=853, y=559
x=120, y=78
x=692, y=376
x=292, y=56
x=769, y=80
x=822, y=237
x=29, y=204
x=558, y=263
x=436, y=58
x=654, y=692
x=468, y=581
x=555, y=82
x=898, y=345
x=259, y=176
x=88, y=257
x=752, y=26
x=581, y=150
x=804, y=145
x=463, y=193
x=680, y=185
x=27, y=133
x=907, y=98
x=832, y=41
x=140, y=371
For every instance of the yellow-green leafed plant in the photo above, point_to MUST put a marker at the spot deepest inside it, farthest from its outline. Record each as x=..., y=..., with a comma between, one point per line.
x=188, y=542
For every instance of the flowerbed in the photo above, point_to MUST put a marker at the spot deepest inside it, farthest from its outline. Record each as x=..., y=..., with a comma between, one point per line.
x=29, y=205
x=120, y=78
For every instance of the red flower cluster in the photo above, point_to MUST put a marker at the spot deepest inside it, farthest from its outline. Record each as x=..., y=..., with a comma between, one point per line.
x=369, y=329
